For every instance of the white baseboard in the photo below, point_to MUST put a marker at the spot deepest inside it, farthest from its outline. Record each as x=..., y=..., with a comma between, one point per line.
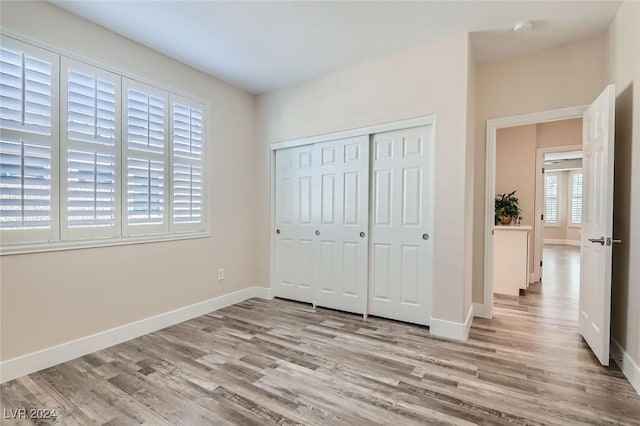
x=45, y=358
x=450, y=329
x=575, y=243
x=262, y=292
x=626, y=364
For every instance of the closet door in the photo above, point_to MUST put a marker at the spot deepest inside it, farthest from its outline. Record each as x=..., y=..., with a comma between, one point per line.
x=402, y=223
x=341, y=210
x=295, y=239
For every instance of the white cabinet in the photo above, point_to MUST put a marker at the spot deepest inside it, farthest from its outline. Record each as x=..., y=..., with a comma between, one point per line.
x=511, y=259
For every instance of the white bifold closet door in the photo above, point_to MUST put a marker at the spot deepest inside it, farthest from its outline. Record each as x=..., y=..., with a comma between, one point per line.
x=321, y=205
x=401, y=225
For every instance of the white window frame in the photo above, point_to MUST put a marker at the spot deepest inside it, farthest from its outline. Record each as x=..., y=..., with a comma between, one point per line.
x=570, y=222
x=20, y=236
x=15, y=243
x=558, y=177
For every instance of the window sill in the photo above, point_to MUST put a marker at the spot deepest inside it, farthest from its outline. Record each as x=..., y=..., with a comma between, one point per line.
x=41, y=247
x=553, y=225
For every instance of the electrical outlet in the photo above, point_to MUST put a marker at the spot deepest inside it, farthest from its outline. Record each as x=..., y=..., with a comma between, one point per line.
x=220, y=274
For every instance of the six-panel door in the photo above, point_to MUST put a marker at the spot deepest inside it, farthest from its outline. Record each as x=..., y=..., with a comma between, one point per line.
x=342, y=223
x=401, y=225
x=294, y=241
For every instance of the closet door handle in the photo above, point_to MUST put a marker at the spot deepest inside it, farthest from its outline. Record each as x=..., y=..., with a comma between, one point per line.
x=425, y=237
x=317, y=233
x=277, y=231
x=362, y=235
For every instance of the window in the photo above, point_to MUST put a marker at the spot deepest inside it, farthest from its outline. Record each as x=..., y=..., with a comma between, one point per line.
x=87, y=154
x=146, y=127
x=28, y=142
x=576, y=198
x=551, y=199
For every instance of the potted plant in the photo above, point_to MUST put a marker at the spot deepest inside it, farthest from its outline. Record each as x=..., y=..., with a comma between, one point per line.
x=507, y=208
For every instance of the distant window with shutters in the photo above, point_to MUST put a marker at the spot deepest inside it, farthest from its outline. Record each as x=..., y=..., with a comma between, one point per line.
x=576, y=198
x=551, y=193
x=28, y=142
x=90, y=157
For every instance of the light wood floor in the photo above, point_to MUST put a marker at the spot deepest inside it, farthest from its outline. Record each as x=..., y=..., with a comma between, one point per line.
x=280, y=362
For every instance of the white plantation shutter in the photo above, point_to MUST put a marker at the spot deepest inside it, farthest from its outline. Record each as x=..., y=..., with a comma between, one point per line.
x=576, y=198
x=187, y=177
x=28, y=142
x=90, y=151
x=146, y=123
x=86, y=153
x=551, y=199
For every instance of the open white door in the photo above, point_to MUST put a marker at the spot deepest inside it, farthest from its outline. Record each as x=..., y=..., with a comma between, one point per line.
x=597, y=223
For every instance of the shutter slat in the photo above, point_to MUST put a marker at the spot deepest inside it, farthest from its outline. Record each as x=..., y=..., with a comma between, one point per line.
x=25, y=186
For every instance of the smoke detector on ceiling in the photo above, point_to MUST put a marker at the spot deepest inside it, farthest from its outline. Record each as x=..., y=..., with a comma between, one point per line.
x=523, y=27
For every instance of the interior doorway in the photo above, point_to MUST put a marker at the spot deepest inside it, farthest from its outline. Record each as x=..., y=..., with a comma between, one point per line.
x=537, y=254
x=539, y=163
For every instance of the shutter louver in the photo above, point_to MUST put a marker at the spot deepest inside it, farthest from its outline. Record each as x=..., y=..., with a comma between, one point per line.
x=145, y=190
x=145, y=122
x=25, y=92
x=91, y=189
x=576, y=198
x=25, y=186
x=187, y=193
x=551, y=202
x=91, y=109
x=187, y=132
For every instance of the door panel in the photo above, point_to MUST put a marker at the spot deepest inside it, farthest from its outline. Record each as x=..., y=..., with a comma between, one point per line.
x=294, y=251
x=597, y=223
x=343, y=216
x=402, y=191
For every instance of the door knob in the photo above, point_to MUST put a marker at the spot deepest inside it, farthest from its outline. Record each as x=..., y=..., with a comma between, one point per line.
x=277, y=231
x=425, y=236
x=317, y=232
x=362, y=235
x=597, y=240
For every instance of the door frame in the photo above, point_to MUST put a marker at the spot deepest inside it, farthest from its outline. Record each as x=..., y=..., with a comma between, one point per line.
x=325, y=137
x=490, y=184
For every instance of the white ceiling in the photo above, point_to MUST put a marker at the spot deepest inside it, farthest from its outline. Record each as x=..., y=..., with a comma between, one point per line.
x=266, y=45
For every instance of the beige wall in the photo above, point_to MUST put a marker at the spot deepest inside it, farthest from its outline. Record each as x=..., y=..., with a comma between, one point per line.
x=427, y=80
x=624, y=48
x=561, y=77
x=51, y=298
x=516, y=169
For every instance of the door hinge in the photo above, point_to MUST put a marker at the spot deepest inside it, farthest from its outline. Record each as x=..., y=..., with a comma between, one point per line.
x=541, y=263
x=542, y=217
x=543, y=170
